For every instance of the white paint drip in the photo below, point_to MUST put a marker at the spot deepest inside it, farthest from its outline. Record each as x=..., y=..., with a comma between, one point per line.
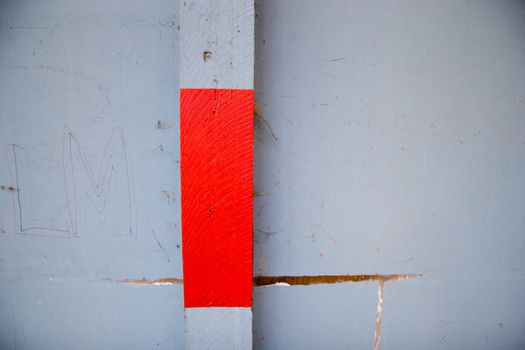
x=379, y=317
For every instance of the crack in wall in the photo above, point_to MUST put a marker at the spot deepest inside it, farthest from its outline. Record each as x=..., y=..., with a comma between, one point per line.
x=379, y=316
x=168, y=281
x=260, y=281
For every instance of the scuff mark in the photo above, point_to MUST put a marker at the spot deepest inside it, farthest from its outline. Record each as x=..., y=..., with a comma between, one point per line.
x=163, y=125
x=337, y=59
x=262, y=261
x=172, y=226
x=168, y=281
x=8, y=188
x=2, y=228
x=258, y=116
x=379, y=316
x=160, y=245
x=328, y=279
x=257, y=194
x=268, y=233
x=162, y=342
x=168, y=197
x=170, y=24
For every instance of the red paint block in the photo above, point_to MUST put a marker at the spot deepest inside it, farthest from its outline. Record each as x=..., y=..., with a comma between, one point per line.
x=216, y=133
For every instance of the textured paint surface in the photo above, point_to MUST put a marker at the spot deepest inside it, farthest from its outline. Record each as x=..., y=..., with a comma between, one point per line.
x=97, y=66
x=216, y=127
x=221, y=328
x=400, y=149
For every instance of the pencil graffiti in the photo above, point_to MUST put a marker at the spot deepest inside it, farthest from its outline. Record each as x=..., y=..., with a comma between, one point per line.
x=110, y=195
x=27, y=218
x=87, y=204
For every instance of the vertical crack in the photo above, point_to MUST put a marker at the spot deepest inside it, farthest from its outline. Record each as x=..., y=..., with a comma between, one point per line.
x=379, y=316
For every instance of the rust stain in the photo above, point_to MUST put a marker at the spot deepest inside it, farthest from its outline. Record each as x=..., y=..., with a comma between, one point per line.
x=144, y=281
x=327, y=279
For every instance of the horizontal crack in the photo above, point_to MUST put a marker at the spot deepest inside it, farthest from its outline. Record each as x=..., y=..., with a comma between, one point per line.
x=327, y=279
x=260, y=281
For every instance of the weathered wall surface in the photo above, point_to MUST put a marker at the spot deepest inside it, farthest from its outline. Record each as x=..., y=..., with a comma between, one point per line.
x=400, y=148
x=89, y=99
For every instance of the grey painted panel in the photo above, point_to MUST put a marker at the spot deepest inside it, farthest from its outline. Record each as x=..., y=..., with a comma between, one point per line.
x=98, y=67
x=400, y=149
x=86, y=314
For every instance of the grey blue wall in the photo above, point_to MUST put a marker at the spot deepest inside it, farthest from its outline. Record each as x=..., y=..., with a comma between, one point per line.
x=398, y=147
x=101, y=68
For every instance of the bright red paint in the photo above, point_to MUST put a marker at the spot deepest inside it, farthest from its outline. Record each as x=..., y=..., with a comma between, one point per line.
x=216, y=133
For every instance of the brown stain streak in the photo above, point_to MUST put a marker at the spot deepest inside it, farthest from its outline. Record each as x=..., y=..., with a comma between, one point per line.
x=328, y=279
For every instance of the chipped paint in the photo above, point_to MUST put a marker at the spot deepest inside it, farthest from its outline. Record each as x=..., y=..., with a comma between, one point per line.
x=167, y=281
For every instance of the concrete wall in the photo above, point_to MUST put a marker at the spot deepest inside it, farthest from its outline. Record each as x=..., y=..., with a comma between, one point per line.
x=398, y=147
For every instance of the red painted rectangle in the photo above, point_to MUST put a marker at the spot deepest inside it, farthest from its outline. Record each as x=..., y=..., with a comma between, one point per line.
x=216, y=135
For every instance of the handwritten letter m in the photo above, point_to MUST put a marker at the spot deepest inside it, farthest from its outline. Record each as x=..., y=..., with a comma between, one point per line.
x=110, y=192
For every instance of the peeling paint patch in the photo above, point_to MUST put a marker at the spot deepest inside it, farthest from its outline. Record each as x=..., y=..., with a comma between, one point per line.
x=168, y=281
x=328, y=279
